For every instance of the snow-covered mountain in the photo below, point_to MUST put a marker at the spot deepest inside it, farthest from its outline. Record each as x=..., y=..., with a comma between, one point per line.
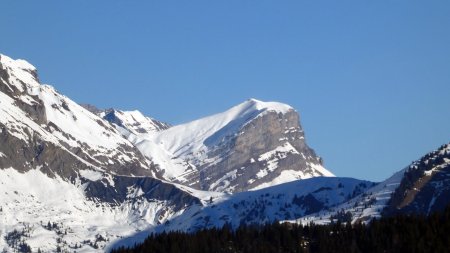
x=97, y=175
x=250, y=146
x=60, y=163
x=39, y=127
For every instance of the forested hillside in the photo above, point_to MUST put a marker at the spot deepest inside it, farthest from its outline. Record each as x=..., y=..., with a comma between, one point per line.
x=394, y=234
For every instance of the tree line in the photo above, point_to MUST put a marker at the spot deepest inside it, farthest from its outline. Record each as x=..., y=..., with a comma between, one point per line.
x=402, y=233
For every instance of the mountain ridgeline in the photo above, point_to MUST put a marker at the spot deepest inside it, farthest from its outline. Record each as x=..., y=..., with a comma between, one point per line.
x=78, y=178
x=250, y=146
x=425, y=187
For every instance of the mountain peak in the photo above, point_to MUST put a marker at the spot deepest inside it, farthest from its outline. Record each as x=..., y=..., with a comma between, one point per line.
x=266, y=106
x=19, y=63
x=134, y=122
x=22, y=74
x=252, y=145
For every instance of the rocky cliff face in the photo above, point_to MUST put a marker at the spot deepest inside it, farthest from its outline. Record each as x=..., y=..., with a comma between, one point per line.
x=268, y=150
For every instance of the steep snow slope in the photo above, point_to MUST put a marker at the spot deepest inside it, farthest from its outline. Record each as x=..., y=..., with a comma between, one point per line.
x=250, y=146
x=35, y=114
x=192, y=139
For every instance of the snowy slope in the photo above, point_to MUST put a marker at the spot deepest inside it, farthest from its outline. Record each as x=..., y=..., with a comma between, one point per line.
x=27, y=105
x=63, y=165
x=195, y=137
x=59, y=110
x=82, y=224
x=179, y=147
x=133, y=122
x=281, y=202
x=363, y=207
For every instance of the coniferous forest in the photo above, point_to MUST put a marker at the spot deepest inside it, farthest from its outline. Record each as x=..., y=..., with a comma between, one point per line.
x=393, y=234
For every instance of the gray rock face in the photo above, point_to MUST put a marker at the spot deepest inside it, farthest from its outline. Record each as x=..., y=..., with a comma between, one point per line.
x=92, y=108
x=259, y=153
x=50, y=158
x=152, y=189
x=252, y=145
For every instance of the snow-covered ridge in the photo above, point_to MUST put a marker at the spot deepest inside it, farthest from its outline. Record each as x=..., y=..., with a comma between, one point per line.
x=192, y=137
x=134, y=122
x=59, y=109
x=22, y=74
x=30, y=105
x=191, y=140
x=16, y=64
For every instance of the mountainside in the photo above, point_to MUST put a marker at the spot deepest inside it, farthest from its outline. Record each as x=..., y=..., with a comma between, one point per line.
x=250, y=146
x=133, y=121
x=60, y=163
x=41, y=128
x=421, y=188
x=280, y=202
x=425, y=187
x=84, y=216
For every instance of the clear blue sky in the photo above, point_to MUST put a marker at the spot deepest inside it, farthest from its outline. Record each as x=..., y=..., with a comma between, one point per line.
x=371, y=79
